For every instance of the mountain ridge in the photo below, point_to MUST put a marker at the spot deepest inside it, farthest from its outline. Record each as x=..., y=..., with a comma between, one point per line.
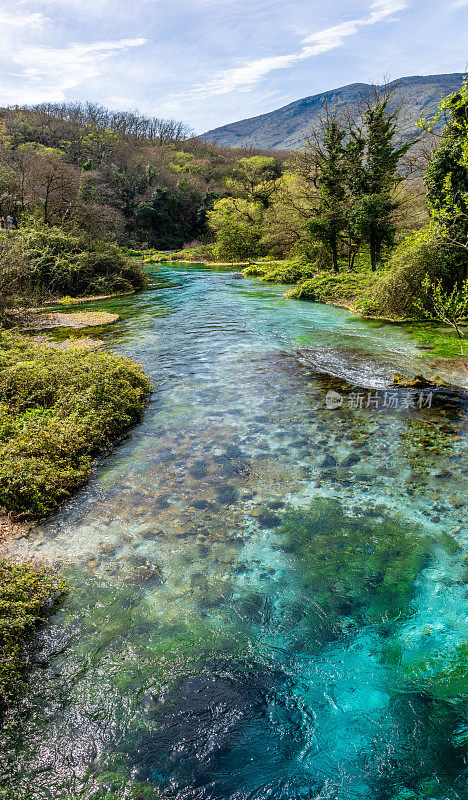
x=284, y=128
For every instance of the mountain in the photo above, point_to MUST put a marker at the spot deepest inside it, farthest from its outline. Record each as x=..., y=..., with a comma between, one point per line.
x=285, y=128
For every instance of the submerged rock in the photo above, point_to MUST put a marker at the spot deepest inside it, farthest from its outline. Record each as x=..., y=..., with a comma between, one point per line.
x=419, y=382
x=268, y=520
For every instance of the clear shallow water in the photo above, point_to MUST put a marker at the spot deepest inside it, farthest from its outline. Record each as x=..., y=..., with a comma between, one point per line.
x=269, y=597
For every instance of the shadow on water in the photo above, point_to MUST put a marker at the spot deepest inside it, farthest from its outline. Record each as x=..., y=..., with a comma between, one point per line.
x=269, y=594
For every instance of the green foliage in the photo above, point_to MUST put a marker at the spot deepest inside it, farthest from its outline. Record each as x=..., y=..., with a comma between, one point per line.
x=354, y=567
x=398, y=292
x=43, y=260
x=281, y=271
x=201, y=253
x=372, y=160
x=328, y=220
x=27, y=594
x=350, y=287
x=256, y=179
x=173, y=216
x=57, y=410
x=450, y=307
x=371, y=221
x=447, y=174
x=238, y=227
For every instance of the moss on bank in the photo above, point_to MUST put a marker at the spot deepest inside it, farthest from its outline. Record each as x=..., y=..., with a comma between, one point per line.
x=57, y=410
x=27, y=595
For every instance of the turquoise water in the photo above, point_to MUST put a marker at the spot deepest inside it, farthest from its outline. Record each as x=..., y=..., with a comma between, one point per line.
x=269, y=596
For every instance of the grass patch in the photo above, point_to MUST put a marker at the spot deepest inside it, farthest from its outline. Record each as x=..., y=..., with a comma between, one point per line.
x=57, y=411
x=437, y=340
x=27, y=595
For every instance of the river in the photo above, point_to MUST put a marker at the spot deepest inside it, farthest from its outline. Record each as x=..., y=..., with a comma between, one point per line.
x=269, y=588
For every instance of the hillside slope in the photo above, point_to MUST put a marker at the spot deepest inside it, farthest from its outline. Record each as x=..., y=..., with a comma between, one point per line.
x=286, y=127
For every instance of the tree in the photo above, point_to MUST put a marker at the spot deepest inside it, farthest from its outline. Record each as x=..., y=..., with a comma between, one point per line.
x=447, y=174
x=49, y=182
x=172, y=216
x=372, y=167
x=327, y=167
x=237, y=224
x=256, y=178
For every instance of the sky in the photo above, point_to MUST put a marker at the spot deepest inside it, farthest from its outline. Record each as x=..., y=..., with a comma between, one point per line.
x=210, y=62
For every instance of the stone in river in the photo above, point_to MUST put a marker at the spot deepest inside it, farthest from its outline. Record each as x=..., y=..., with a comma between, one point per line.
x=327, y=461
x=350, y=461
x=268, y=520
x=227, y=494
x=275, y=504
x=202, y=504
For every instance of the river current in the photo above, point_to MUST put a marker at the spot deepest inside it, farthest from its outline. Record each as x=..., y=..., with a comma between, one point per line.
x=269, y=574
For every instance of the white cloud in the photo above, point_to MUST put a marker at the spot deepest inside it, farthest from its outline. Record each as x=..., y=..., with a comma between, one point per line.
x=382, y=9
x=460, y=4
x=328, y=39
x=47, y=72
x=19, y=20
x=246, y=75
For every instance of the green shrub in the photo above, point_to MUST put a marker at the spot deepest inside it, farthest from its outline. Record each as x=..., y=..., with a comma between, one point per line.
x=329, y=286
x=27, y=594
x=398, y=291
x=51, y=261
x=204, y=252
x=57, y=410
x=282, y=271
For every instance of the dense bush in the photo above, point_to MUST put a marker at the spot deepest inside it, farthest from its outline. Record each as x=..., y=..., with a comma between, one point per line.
x=173, y=216
x=27, y=593
x=398, y=290
x=50, y=261
x=58, y=409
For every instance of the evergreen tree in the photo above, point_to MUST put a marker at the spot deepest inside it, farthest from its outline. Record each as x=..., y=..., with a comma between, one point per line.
x=372, y=162
x=329, y=219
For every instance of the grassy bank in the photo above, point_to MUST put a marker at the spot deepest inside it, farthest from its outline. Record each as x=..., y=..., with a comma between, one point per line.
x=353, y=289
x=57, y=411
x=27, y=595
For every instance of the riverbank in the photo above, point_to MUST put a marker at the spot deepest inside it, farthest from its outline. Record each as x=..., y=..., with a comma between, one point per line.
x=28, y=593
x=61, y=404
x=58, y=410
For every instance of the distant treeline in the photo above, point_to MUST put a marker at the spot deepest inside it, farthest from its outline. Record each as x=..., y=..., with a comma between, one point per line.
x=126, y=124
x=143, y=181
